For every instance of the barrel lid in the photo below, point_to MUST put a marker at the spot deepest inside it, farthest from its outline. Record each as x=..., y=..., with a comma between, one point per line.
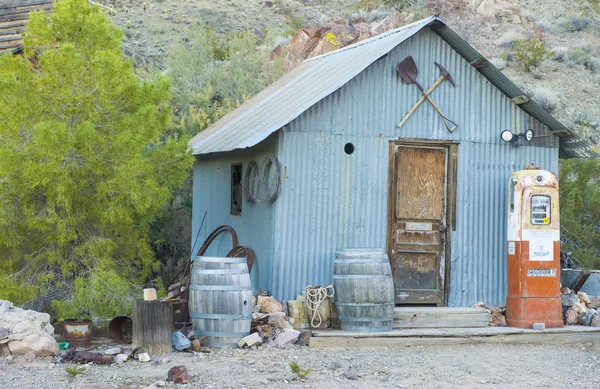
x=220, y=259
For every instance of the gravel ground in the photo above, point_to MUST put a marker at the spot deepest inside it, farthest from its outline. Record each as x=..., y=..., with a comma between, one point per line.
x=457, y=366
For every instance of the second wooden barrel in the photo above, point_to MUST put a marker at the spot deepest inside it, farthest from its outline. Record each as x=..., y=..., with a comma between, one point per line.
x=220, y=300
x=364, y=290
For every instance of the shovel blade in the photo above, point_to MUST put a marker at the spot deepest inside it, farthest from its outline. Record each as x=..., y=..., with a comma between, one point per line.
x=408, y=70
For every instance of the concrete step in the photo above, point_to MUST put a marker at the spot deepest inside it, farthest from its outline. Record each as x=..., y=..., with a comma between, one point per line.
x=571, y=335
x=439, y=317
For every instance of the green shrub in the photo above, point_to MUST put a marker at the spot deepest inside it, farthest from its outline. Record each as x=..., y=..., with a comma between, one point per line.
x=531, y=53
x=301, y=374
x=580, y=210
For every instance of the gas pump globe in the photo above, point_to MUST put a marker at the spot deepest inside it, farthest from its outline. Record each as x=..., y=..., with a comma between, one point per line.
x=533, y=250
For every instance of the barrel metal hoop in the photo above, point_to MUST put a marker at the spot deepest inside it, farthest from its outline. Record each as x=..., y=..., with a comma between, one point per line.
x=221, y=334
x=364, y=319
x=219, y=271
x=341, y=277
x=220, y=259
x=220, y=287
x=365, y=329
x=226, y=316
x=383, y=260
x=365, y=304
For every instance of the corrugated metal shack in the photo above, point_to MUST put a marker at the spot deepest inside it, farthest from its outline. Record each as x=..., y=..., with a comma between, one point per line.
x=351, y=178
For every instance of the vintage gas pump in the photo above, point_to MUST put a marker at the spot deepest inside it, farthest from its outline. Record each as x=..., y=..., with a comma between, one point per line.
x=533, y=250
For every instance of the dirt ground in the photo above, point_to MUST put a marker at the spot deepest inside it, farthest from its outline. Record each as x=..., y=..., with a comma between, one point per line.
x=457, y=366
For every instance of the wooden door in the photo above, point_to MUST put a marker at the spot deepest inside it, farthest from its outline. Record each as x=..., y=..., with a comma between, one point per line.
x=418, y=223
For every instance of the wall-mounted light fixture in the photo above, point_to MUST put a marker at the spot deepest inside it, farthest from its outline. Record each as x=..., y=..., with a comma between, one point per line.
x=513, y=139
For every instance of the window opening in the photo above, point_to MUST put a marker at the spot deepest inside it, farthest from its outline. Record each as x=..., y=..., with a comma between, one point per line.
x=236, y=189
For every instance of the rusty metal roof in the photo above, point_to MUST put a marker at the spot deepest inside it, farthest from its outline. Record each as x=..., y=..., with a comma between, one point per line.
x=283, y=101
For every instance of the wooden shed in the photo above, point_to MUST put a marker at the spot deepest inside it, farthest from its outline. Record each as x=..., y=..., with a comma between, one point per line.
x=350, y=177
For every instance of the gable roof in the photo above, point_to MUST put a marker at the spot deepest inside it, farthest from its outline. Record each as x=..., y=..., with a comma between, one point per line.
x=287, y=98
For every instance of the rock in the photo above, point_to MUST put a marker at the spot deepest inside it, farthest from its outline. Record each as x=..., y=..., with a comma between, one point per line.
x=566, y=290
x=113, y=351
x=265, y=331
x=287, y=337
x=583, y=298
x=304, y=338
x=585, y=318
x=96, y=386
x=594, y=302
x=29, y=332
x=350, y=375
x=120, y=358
x=579, y=307
x=269, y=306
x=251, y=340
x=178, y=375
x=595, y=321
x=36, y=344
x=144, y=357
x=160, y=384
x=196, y=345
x=278, y=320
x=497, y=319
x=539, y=326
x=569, y=299
x=268, y=3
x=571, y=316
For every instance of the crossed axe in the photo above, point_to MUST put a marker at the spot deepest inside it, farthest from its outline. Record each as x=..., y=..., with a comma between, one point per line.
x=408, y=72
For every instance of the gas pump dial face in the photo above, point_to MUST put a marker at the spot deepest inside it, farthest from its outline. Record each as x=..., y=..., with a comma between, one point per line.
x=540, y=210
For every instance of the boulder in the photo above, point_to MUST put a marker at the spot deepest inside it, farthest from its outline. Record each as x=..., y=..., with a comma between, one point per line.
x=497, y=319
x=304, y=338
x=569, y=299
x=279, y=320
x=594, y=302
x=583, y=298
x=571, y=316
x=178, y=375
x=251, y=340
x=595, y=321
x=579, y=307
x=269, y=306
x=287, y=337
x=29, y=332
x=265, y=331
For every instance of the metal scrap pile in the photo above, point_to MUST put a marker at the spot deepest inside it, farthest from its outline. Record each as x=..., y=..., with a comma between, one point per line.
x=579, y=308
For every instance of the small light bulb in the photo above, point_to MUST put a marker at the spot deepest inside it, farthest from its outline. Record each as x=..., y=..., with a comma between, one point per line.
x=529, y=134
x=506, y=135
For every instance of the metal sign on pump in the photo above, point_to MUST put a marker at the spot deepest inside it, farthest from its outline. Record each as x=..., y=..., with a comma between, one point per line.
x=533, y=250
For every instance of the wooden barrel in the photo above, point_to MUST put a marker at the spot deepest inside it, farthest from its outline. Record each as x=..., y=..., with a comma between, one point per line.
x=364, y=290
x=220, y=300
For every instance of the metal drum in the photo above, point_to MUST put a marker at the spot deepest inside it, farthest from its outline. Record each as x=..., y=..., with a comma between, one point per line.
x=220, y=300
x=364, y=290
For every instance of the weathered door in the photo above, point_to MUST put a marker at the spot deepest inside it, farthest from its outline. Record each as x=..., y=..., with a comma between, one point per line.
x=418, y=223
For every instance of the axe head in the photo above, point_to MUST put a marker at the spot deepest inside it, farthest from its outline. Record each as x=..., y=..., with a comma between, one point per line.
x=446, y=74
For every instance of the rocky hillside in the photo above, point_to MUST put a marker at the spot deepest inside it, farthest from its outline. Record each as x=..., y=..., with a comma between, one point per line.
x=567, y=83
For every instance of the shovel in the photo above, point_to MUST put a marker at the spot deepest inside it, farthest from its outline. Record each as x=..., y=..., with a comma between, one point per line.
x=408, y=72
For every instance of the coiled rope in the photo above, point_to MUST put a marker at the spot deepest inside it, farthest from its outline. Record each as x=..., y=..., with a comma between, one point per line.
x=259, y=187
x=315, y=296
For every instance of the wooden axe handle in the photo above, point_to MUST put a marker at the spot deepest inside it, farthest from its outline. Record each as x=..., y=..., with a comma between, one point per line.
x=423, y=97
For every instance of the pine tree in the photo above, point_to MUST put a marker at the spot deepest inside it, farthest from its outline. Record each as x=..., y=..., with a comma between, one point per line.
x=84, y=165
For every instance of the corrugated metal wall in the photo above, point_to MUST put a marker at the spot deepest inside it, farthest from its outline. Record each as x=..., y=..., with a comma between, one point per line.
x=212, y=193
x=331, y=199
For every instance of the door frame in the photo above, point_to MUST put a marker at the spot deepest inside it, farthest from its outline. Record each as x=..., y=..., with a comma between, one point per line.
x=451, y=171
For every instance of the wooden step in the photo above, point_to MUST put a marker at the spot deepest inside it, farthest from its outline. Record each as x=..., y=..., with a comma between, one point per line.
x=439, y=317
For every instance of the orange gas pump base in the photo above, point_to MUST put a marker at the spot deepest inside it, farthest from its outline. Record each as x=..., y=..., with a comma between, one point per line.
x=523, y=312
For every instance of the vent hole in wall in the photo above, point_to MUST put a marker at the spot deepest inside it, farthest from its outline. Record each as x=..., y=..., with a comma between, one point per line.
x=349, y=148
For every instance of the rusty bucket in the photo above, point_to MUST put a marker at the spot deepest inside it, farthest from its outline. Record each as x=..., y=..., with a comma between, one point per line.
x=78, y=332
x=121, y=329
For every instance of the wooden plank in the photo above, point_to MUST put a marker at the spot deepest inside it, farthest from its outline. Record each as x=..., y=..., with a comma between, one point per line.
x=12, y=45
x=17, y=24
x=12, y=31
x=10, y=38
x=20, y=10
x=421, y=173
x=437, y=319
x=22, y=3
x=580, y=280
x=570, y=338
x=11, y=18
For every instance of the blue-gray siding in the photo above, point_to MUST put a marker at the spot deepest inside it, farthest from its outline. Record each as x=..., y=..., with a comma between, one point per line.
x=332, y=200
